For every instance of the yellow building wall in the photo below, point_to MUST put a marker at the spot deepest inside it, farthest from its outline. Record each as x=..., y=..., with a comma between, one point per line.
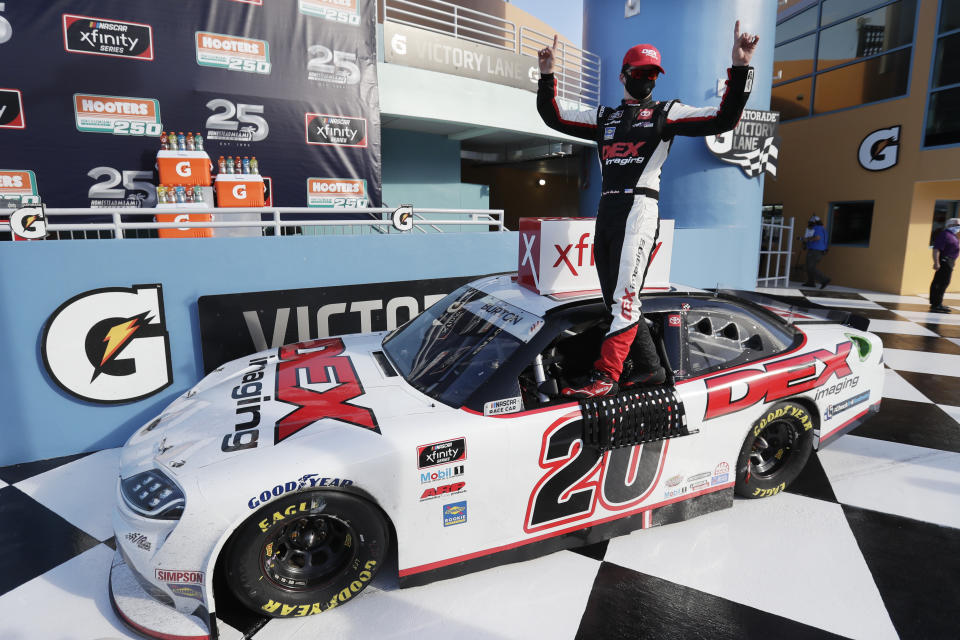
x=818, y=165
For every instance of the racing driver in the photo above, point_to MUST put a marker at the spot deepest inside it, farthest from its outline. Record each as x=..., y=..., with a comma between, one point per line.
x=633, y=141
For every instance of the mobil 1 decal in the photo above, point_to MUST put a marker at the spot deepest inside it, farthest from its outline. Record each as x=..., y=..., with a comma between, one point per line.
x=234, y=325
x=576, y=479
x=109, y=345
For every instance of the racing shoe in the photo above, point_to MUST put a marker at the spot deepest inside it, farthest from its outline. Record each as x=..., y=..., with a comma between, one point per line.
x=639, y=379
x=598, y=384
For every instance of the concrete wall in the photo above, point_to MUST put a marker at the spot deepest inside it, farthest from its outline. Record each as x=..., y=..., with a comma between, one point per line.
x=39, y=420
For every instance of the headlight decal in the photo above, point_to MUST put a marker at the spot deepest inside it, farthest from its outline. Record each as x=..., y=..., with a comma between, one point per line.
x=153, y=494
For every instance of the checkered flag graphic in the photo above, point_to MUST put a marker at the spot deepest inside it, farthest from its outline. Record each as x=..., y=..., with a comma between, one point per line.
x=759, y=160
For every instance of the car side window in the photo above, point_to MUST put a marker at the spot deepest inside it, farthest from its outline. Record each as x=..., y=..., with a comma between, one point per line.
x=723, y=336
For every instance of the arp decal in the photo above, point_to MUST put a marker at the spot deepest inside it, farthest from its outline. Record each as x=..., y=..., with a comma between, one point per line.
x=777, y=380
x=109, y=345
x=321, y=382
x=578, y=478
x=443, y=491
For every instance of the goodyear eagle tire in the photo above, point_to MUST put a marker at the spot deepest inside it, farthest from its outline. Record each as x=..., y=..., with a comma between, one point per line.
x=775, y=451
x=306, y=553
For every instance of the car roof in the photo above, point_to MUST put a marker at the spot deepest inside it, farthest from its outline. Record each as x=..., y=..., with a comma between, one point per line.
x=506, y=288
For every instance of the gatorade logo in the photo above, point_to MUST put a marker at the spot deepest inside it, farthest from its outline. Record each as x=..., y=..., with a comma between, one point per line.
x=240, y=191
x=183, y=169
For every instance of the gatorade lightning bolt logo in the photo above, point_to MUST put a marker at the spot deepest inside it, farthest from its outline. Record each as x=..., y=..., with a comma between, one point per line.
x=109, y=345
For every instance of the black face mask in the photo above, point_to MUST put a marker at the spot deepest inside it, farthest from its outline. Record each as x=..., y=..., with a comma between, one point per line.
x=811, y=224
x=641, y=88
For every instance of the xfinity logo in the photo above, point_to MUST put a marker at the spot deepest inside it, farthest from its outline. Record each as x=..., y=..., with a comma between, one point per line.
x=109, y=345
x=106, y=37
x=880, y=149
x=335, y=130
x=563, y=253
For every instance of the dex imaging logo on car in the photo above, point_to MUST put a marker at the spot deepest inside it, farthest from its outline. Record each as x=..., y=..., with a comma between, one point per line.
x=231, y=52
x=119, y=115
x=107, y=37
x=109, y=345
x=437, y=453
x=336, y=130
x=336, y=192
x=11, y=109
x=340, y=11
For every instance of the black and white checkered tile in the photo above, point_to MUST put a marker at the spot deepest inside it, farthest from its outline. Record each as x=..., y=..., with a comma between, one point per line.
x=865, y=545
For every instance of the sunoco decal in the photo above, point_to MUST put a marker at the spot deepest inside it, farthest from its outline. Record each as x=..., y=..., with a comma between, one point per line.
x=230, y=52
x=109, y=345
x=431, y=455
x=336, y=130
x=11, y=109
x=340, y=11
x=117, y=114
x=455, y=513
x=336, y=192
x=107, y=37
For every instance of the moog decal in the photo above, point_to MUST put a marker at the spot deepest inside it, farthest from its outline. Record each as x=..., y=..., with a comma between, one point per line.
x=776, y=380
x=578, y=478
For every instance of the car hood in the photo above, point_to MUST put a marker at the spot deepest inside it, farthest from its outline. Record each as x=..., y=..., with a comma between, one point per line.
x=274, y=398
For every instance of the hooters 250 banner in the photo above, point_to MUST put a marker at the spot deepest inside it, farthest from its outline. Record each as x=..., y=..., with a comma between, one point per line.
x=292, y=82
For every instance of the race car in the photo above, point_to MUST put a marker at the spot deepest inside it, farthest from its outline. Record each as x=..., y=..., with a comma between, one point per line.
x=290, y=474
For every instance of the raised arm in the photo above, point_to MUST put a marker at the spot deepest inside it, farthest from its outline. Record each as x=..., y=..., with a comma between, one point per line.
x=684, y=120
x=573, y=122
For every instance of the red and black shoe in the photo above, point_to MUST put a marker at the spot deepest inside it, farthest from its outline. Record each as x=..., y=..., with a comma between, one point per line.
x=598, y=384
x=638, y=379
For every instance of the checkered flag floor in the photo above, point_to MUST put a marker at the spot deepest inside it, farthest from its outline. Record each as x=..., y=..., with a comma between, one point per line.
x=866, y=544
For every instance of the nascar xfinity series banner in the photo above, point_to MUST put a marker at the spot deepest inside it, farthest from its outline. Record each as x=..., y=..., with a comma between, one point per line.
x=89, y=86
x=234, y=325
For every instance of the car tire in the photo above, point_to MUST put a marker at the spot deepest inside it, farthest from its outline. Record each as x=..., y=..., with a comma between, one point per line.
x=306, y=553
x=775, y=450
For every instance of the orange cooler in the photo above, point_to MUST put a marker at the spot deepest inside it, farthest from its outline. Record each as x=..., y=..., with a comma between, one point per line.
x=239, y=190
x=184, y=232
x=184, y=167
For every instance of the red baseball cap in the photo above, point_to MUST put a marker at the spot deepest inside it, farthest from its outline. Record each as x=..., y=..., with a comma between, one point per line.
x=643, y=55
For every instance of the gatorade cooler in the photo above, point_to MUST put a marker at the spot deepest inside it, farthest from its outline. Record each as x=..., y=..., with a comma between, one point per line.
x=184, y=167
x=178, y=214
x=239, y=190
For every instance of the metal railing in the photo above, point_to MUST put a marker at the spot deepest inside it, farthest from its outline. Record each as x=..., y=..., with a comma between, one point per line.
x=380, y=221
x=577, y=71
x=774, y=257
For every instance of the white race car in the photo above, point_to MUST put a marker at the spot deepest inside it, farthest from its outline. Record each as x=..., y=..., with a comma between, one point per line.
x=291, y=473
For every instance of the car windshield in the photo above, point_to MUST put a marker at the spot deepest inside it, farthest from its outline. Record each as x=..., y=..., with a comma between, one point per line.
x=453, y=347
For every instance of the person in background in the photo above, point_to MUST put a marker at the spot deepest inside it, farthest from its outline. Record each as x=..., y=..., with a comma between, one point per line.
x=815, y=241
x=633, y=140
x=945, y=250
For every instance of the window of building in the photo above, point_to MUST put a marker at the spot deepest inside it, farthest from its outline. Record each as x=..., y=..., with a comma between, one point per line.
x=838, y=54
x=850, y=223
x=772, y=212
x=943, y=210
x=943, y=104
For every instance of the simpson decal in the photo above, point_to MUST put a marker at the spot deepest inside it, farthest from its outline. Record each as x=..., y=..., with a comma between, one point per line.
x=107, y=37
x=336, y=130
x=11, y=109
x=337, y=192
x=231, y=52
x=109, y=345
x=117, y=114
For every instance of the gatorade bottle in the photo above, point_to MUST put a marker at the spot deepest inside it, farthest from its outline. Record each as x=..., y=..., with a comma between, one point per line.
x=161, y=194
x=181, y=141
x=188, y=194
x=163, y=141
x=229, y=164
x=181, y=195
x=172, y=141
x=190, y=146
x=254, y=165
x=198, y=142
x=246, y=164
x=198, y=194
x=222, y=165
x=238, y=165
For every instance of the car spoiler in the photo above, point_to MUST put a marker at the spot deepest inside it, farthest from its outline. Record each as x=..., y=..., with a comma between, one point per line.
x=799, y=310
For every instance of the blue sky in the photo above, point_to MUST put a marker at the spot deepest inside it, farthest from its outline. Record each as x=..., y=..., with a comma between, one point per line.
x=568, y=21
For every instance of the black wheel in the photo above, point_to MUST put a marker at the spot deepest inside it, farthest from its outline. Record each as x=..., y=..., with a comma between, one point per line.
x=306, y=553
x=775, y=450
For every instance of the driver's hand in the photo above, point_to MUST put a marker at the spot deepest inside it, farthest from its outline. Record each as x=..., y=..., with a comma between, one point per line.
x=545, y=57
